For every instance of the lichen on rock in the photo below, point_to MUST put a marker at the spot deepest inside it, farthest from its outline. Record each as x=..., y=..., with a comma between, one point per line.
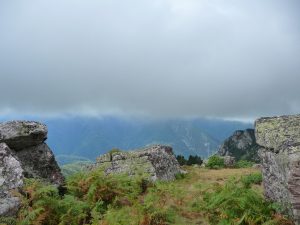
x=280, y=156
x=156, y=163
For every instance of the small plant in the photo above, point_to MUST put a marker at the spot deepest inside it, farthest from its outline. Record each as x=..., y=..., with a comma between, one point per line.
x=7, y=221
x=254, y=178
x=114, y=150
x=244, y=164
x=180, y=176
x=215, y=162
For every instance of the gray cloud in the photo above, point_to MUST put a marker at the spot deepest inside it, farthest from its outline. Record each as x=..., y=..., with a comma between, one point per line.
x=158, y=57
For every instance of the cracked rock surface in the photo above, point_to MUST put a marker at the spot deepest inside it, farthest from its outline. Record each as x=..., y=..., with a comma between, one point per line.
x=24, y=154
x=279, y=138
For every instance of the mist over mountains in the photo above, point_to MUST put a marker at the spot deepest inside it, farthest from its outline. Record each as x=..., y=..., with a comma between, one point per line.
x=89, y=137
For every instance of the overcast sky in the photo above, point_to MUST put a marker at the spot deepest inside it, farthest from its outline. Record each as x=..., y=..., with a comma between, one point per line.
x=217, y=58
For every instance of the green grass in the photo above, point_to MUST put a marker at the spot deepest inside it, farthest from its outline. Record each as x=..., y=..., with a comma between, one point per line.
x=203, y=196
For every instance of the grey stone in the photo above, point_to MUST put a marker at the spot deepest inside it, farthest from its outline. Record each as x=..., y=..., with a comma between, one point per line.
x=22, y=134
x=23, y=153
x=156, y=162
x=11, y=178
x=229, y=161
x=280, y=161
x=39, y=162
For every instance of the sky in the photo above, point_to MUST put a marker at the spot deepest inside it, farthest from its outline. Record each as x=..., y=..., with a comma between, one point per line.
x=161, y=58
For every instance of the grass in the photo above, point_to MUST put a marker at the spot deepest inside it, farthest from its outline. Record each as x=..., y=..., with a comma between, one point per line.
x=202, y=196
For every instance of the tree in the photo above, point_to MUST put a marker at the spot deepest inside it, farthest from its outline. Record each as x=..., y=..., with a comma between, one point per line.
x=181, y=160
x=194, y=160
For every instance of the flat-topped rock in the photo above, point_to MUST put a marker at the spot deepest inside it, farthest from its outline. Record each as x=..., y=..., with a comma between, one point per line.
x=22, y=134
x=280, y=161
x=156, y=162
x=273, y=132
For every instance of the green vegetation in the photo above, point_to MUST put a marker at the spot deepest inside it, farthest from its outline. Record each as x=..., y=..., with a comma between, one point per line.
x=202, y=196
x=7, y=221
x=75, y=167
x=114, y=150
x=215, y=162
x=254, y=178
x=192, y=160
x=244, y=164
x=233, y=203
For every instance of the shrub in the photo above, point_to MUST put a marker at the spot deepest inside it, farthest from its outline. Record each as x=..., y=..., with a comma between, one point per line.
x=215, y=162
x=254, y=178
x=114, y=150
x=180, y=176
x=244, y=164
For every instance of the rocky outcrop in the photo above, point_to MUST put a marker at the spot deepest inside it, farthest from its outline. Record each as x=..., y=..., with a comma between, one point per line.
x=156, y=162
x=23, y=153
x=280, y=159
x=22, y=134
x=229, y=161
x=241, y=145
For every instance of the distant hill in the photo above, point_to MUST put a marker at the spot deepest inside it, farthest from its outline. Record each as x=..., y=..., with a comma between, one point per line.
x=242, y=145
x=88, y=137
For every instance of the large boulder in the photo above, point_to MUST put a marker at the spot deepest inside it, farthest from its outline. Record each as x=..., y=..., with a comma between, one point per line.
x=280, y=158
x=21, y=134
x=11, y=178
x=23, y=153
x=241, y=145
x=156, y=162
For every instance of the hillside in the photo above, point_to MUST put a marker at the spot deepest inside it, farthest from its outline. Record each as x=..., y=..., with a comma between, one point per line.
x=241, y=145
x=90, y=137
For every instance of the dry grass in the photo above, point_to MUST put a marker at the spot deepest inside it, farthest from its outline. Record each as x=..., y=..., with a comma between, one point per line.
x=197, y=181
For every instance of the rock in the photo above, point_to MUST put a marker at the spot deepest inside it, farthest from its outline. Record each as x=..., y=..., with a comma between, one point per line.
x=23, y=153
x=280, y=161
x=256, y=166
x=157, y=162
x=21, y=134
x=39, y=162
x=11, y=178
x=229, y=161
x=241, y=145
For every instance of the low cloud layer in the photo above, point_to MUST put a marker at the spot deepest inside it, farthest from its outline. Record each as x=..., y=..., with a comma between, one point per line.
x=230, y=59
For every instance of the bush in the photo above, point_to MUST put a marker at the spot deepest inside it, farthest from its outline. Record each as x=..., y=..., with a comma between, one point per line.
x=215, y=162
x=114, y=150
x=180, y=176
x=244, y=164
x=248, y=180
